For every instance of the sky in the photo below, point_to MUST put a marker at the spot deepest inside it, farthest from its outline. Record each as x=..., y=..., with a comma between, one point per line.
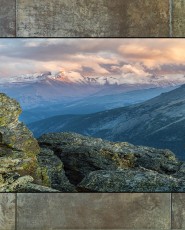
x=133, y=58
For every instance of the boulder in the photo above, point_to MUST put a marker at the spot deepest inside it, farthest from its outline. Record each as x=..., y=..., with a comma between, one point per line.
x=18, y=147
x=23, y=165
x=130, y=180
x=82, y=155
x=16, y=183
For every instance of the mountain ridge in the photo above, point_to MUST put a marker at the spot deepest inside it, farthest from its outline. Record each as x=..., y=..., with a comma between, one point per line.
x=158, y=122
x=52, y=87
x=91, y=104
x=75, y=77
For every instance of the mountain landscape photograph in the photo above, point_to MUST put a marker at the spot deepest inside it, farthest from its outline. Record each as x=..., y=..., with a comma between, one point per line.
x=92, y=115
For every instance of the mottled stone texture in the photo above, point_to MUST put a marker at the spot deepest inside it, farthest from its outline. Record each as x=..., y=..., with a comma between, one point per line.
x=89, y=18
x=7, y=211
x=93, y=211
x=178, y=18
x=7, y=18
x=178, y=211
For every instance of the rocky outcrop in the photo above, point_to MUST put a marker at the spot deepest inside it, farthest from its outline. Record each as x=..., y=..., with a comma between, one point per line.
x=18, y=148
x=82, y=155
x=23, y=166
x=96, y=165
x=16, y=183
x=130, y=180
x=69, y=162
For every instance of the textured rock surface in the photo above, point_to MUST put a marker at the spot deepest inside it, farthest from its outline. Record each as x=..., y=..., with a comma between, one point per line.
x=30, y=187
x=18, y=148
x=7, y=18
x=93, y=211
x=103, y=18
x=7, y=211
x=15, y=183
x=178, y=211
x=95, y=165
x=139, y=180
x=119, y=18
x=82, y=155
x=23, y=167
x=52, y=171
x=178, y=18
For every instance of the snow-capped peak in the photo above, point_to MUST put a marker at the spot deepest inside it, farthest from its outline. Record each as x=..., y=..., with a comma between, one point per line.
x=65, y=77
x=26, y=78
x=72, y=77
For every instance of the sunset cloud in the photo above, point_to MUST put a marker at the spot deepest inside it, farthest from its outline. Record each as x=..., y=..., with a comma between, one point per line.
x=136, y=70
x=129, y=58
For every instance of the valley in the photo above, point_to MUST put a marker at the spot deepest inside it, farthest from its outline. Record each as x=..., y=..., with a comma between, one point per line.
x=158, y=122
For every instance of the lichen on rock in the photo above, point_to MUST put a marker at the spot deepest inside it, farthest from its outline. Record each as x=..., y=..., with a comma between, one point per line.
x=18, y=147
x=23, y=165
x=82, y=155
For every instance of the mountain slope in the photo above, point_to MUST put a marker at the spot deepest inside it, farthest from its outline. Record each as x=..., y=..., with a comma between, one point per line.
x=158, y=122
x=91, y=104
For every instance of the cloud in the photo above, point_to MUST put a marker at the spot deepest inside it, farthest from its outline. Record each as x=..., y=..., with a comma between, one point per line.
x=130, y=58
x=154, y=52
x=137, y=70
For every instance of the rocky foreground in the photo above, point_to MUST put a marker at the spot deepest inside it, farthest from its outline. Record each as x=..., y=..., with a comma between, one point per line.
x=69, y=162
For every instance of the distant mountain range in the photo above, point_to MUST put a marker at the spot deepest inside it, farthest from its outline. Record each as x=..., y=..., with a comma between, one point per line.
x=91, y=104
x=48, y=88
x=158, y=122
x=72, y=77
x=103, y=106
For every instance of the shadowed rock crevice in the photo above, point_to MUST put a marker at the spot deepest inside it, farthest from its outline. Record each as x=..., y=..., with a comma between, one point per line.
x=52, y=171
x=1, y=137
x=82, y=155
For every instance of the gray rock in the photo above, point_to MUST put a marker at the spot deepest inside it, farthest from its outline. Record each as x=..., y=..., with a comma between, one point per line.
x=180, y=173
x=130, y=180
x=82, y=155
x=160, y=160
x=52, y=172
x=30, y=187
x=16, y=183
x=18, y=148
